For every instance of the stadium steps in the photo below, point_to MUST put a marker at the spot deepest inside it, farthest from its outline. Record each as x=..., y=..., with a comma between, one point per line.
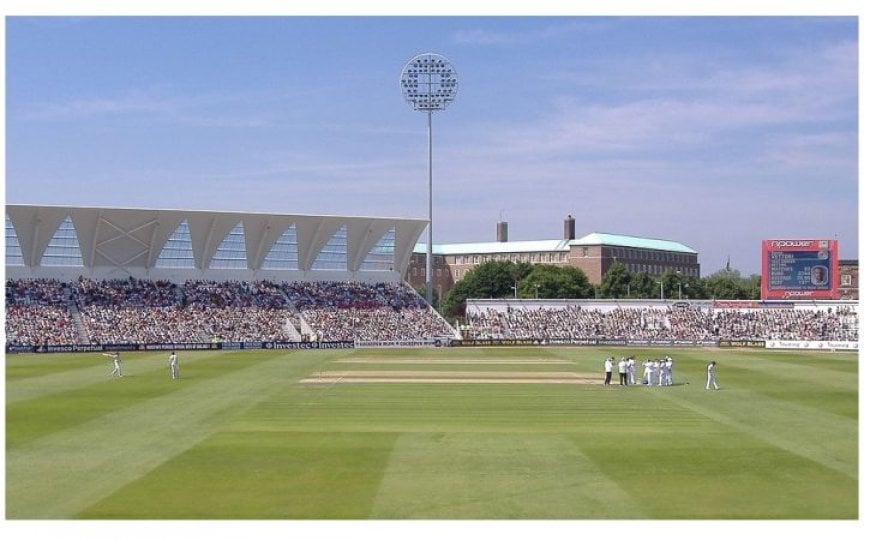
x=292, y=325
x=79, y=325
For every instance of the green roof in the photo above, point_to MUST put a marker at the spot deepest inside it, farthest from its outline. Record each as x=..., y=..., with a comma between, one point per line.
x=623, y=240
x=522, y=246
x=527, y=246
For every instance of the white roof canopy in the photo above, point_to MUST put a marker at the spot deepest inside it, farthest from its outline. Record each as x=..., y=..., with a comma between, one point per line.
x=123, y=242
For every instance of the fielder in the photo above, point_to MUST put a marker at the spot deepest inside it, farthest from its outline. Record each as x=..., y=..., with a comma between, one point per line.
x=116, y=363
x=173, y=365
x=711, y=376
x=622, y=367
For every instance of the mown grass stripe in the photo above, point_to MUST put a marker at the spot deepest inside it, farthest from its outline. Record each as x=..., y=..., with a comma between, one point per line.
x=827, y=439
x=495, y=476
x=59, y=475
x=793, y=371
x=55, y=383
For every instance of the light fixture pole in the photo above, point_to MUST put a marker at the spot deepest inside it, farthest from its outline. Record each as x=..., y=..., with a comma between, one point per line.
x=680, y=283
x=429, y=84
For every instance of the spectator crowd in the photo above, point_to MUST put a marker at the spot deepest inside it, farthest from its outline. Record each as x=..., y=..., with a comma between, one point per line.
x=44, y=312
x=671, y=323
x=50, y=312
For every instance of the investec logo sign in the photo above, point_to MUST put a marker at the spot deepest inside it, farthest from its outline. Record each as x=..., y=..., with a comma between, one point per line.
x=791, y=243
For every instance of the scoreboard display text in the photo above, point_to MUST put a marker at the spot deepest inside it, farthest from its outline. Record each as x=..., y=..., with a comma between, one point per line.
x=799, y=269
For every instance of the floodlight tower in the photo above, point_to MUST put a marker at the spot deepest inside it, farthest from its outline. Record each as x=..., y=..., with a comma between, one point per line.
x=429, y=84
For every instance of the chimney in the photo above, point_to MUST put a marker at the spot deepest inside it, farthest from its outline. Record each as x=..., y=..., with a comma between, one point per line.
x=569, y=228
x=501, y=234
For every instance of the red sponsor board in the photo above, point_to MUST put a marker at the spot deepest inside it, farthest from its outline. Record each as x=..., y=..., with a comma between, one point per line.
x=799, y=269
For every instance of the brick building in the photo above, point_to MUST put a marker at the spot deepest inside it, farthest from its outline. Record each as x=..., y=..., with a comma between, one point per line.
x=848, y=289
x=593, y=254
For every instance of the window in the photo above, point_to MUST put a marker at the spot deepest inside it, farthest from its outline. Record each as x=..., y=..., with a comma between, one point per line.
x=585, y=252
x=63, y=248
x=284, y=255
x=14, y=257
x=231, y=253
x=333, y=256
x=381, y=255
x=178, y=250
x=846, y=280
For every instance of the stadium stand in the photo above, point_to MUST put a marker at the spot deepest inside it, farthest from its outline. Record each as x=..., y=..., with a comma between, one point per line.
x=44, y=312
x=665, y=323
x=140, y=311
x=37, y=313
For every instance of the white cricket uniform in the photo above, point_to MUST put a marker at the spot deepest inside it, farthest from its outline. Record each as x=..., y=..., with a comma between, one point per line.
x=669, y=372
x=622, y=366
x=116, y=364
x=173, y=365
x=711, y=376
x=631, y=371
x=647, y=372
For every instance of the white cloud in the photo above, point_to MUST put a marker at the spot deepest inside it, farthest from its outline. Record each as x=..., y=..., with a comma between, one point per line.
x=157, y=104
x=567, y=28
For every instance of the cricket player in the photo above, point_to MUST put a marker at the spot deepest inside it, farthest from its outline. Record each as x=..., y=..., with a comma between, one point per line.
x=608, y=370
x=173, y=365
x=631, y=370
x=669, y=371
x=622, y=366
x=711, y=376
x=115, y=357
x=647, y=372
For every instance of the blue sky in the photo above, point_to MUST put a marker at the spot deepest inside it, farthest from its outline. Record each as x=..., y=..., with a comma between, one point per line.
x=717, y=132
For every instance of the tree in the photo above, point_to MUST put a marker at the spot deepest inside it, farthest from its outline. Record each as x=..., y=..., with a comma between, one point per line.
x=694, y=288
x=616, y=282
x=549, y=281
x=643, y=286
x=492, y=279
x=727, y=284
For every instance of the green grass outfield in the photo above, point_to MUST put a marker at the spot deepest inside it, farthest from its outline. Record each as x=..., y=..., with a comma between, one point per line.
x=239, y=436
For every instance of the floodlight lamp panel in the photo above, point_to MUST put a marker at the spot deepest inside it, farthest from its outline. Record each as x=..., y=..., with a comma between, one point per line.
x=429, y=82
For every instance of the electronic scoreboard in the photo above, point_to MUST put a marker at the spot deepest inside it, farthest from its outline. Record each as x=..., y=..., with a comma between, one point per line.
x=799, y=269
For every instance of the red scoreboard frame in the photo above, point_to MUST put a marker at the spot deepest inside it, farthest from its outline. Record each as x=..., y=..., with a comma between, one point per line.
x=799, y=270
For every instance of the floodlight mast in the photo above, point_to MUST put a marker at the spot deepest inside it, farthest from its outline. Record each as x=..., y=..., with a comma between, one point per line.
x=429, y=84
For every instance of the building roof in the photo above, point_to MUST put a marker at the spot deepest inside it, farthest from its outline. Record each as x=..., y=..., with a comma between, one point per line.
x=624, y=240
x=527, y=246
x=116, y=242
x=522, y=246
